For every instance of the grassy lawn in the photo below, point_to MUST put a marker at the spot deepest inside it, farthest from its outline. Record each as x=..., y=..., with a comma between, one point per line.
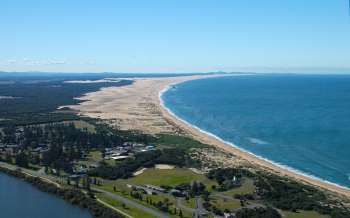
x=170, y=177
x=304, y=214
x=168, y=140
x=156, y=177
x=247, y=187
x=155, y=198
x=95, y=156
x=225, y=203
x=80, y=124
x=191, y=203
x=172, y=200
x=134, y=212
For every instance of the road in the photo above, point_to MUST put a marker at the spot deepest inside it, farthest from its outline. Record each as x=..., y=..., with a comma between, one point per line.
x=45, y=177
x=197, y=212
x=41, y=173
x=132, y=203
x=183, y=207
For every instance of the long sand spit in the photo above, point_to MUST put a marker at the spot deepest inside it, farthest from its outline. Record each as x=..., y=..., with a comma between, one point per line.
x=139, y=107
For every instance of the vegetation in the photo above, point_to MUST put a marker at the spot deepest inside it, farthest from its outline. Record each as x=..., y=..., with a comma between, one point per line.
x=65, y=143
x=168, y=177
x=178, y=141
x=290, y=195
x=36, y=101
x=246, y=188
x=73, y=196
x=31, y=121
x=303, y=214
x=222, y=203
x=228, y=178
x=135, y=212
x=125, y=168
x=258, y=213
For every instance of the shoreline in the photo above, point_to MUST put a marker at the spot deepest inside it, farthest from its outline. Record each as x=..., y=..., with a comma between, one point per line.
x=150, y=110
x=261, y=161
x=68, y=195
x=261, y=158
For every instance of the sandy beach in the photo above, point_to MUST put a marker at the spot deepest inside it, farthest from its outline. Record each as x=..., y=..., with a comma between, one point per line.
x=138, y=107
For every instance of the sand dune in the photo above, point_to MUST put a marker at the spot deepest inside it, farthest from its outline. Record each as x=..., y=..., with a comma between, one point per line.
x=138, y=107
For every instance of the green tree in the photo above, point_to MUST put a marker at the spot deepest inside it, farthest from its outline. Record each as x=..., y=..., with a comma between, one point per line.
x=22, y=160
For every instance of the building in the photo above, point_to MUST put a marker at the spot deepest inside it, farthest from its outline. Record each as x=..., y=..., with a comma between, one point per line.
x=119, y=157
x=155, y=188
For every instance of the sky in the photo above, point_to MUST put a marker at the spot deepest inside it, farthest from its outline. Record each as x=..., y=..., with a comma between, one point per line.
x=175, y=36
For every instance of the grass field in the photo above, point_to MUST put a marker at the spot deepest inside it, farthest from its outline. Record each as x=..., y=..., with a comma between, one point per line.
x=166, y=140
x=171, y=177
x=304, y=214
x=225, y=203
x=155, y=198
x=94, y=157
x=80, y=124
x=134, y=212
x=157, y=177
x=191, y=203
x=247, y=187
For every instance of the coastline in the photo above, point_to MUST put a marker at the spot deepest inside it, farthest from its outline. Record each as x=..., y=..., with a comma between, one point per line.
x=281, y=167
x=153, y=88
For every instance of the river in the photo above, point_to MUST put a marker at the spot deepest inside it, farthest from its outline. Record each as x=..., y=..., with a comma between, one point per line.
x=19, y=199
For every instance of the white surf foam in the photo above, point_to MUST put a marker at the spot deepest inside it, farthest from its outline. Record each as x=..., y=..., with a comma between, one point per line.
x=280, y=165
x=257, y=141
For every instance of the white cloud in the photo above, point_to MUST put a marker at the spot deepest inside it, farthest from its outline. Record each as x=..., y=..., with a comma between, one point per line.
x=56, y=62
x=33, y=62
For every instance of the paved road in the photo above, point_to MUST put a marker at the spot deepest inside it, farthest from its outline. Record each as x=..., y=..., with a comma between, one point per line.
x=133, y=203
x=47, y=178
x=183, y=207
x=250, y=205
x=41, y=173
x=199, y=211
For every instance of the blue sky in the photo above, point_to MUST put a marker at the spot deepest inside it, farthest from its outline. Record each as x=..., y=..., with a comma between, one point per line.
x=175, y=35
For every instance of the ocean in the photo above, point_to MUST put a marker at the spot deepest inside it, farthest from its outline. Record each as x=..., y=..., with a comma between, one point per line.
x=301, y=122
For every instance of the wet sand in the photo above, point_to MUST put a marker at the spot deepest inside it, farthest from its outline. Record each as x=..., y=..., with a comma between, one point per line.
x=138, y=107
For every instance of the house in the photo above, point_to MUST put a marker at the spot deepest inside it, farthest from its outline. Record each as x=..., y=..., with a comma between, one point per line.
x=177, y=193
x=236, y=181
x=145, y=189
x=40, y=150
x=155, y=188
x=11, y=149
x=229, y=215
x=150, y=147
x=119, y=157
x=2, y=147
x=12, y=146
x=133, y=145
x=116, y=151
x=80, y=170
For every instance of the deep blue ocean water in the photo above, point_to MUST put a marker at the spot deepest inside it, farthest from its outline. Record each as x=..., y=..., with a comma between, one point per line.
x=300, y=121
x=19, y=199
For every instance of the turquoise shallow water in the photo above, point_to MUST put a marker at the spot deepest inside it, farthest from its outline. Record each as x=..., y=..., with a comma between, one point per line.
x=19, y=199
x=299, y=121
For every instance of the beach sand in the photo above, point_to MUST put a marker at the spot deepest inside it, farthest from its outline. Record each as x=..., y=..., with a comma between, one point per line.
x=138, y=107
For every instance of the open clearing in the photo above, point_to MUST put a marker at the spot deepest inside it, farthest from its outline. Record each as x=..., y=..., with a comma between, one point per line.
x=247, y=187
x=304, y=214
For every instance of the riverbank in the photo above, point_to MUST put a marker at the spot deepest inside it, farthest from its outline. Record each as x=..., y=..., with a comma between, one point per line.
x=73, y=196
x=138, y=106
